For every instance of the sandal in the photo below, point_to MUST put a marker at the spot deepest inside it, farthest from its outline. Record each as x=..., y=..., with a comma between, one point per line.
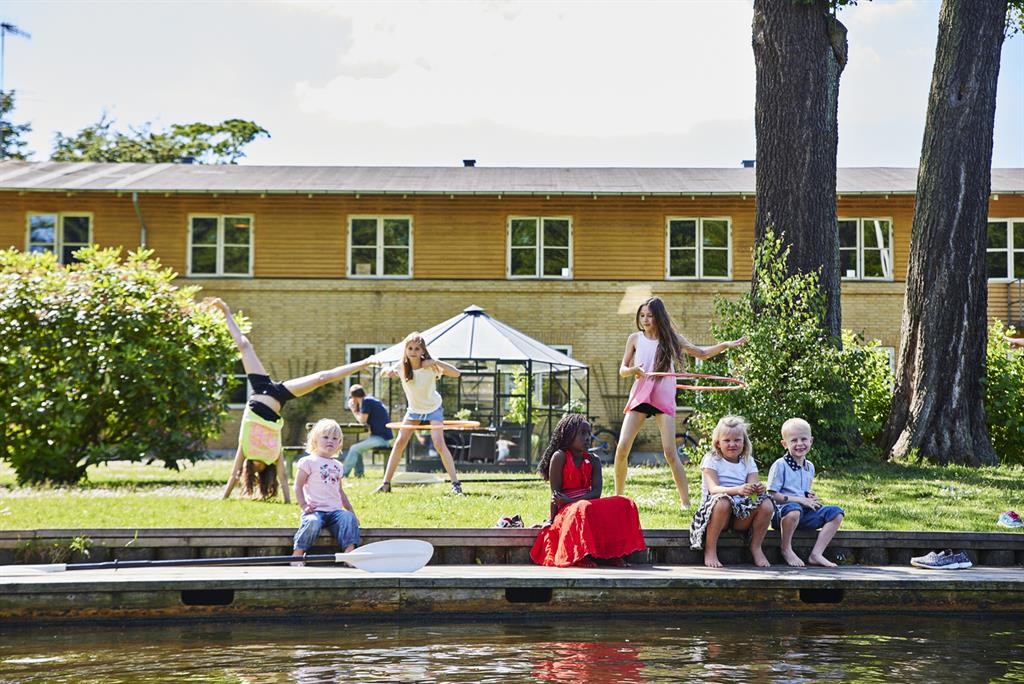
x=383, y=488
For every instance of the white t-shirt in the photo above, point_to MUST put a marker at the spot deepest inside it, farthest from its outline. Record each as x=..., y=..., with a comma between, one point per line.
x=322, y=488
x=421, y=392
x=729, y=474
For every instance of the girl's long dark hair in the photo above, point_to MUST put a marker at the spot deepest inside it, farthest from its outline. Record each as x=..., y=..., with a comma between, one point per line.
x=406, y=364
x=668, y=339
x=265, y=480
x=561, y=437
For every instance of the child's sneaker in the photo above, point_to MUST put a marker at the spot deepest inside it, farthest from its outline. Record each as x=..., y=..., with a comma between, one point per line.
x=456, y=488
x=1009, y=519
x=946, y=560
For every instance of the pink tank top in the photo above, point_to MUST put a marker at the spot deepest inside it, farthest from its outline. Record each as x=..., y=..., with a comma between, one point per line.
x=659, y=392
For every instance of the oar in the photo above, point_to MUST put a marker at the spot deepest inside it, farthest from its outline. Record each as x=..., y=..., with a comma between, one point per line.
x=392, y=555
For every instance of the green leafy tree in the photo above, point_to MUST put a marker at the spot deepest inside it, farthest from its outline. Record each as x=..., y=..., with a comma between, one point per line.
x=102, y=360
x=204, y=143
x=1004, y=400
x=793, y=368
x=12, y=146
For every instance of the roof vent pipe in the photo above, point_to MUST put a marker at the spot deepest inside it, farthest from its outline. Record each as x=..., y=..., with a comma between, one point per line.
x=469, y=162
x=748, y=163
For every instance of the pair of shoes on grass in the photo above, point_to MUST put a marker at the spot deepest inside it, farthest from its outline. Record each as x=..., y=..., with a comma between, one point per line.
x=1009, y=519
x=944, y=560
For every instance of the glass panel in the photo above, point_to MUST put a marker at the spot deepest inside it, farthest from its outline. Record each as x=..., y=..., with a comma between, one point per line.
x=67, y=255
x=996, y=235
x=847, y=233
x=76, y=229
x=396, y=231
x=363, y=377
x=364, y=262
x=1018, y=264
x=716, y=233
x=42, y=228
x=875, y=231
x=236, y=260
x=236, y=230
x=716, y=263
x=1018, y=235
x=40, y=248
x=524, y=262
x=873, y=263
x=524, y=232
x=848, y=263
x=204, y=231
x=682, y=263
x=396, y=261
x=204, y=259
x=682, y=233
x=364, y=232
x=556, y=233
x=238, y=386
x=996, y=262
x=554, y=261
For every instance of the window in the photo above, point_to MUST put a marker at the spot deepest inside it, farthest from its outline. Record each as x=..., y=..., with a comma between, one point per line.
x=380, y=247
x=366, y=377
x=238, y=387
x=699, y=248
x=61, y=233
x=865, y=249
x=220, y=245
x=543, y=387
x=1005, y=248
x=539, y=247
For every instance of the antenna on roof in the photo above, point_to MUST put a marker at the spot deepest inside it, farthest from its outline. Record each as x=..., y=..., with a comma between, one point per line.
x=6, y=28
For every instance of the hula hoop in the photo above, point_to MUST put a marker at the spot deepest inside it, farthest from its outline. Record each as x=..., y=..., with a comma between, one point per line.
x=732, y=383
x=446, y=425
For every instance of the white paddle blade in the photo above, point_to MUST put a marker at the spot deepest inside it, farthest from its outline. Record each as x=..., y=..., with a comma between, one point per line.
x=392, y=555
x=15, y=570
x=408, y=478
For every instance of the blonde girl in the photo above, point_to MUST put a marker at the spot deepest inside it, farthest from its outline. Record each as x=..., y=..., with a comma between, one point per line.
x=731, y=494
x=419, y=372
x=656, y=347
x=320, y=494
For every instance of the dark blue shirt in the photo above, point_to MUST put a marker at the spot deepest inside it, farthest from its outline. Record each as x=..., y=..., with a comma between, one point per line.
x=377, y=417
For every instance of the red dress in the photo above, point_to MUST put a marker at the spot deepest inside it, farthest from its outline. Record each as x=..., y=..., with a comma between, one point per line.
x=600, y=528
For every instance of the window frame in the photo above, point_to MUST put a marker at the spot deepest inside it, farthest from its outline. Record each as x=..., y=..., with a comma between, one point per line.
x=379, y=218
x=1009, y=249
x=58, y=238
x=219, y=272
x=377, y=347
x=248, y=388
x=539, y=398
x=538, y=273
x=860, y=250
x=698, y=248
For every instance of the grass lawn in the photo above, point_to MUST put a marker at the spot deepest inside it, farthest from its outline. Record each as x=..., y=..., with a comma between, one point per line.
x=876, y=497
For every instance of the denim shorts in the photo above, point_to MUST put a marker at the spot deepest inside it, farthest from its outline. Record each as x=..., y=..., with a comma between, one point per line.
x=436, y=414
x=809, y=519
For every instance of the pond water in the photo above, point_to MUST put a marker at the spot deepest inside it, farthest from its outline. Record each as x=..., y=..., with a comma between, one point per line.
x=753, y=648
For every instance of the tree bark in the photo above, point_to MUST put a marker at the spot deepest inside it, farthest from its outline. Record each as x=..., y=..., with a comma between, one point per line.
x=799, y=53
x=938, y=408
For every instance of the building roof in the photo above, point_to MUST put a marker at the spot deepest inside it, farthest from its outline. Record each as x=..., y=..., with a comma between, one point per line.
x=455, y=180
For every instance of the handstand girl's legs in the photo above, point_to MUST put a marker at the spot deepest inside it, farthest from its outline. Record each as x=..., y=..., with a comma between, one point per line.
x=630, y=427
x=667, y=428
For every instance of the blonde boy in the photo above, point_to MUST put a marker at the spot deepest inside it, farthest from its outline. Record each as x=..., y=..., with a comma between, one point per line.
x=798, y=507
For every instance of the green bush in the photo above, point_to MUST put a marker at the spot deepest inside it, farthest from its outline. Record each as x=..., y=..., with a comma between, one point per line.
x=1004, y=400
x=793, y=369
x=104, y=360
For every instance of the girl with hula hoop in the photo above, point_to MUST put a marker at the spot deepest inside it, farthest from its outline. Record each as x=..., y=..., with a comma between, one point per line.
x=259, y=460
x=419, y=373
x=655, y=348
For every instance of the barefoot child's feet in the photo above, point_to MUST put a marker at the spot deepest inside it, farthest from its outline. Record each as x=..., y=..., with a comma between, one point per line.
x=586, y=562
x=298, y=555
x=760, y=560
x=618, y=562
x=818, y=559
x=792, y=559
x=711, y=560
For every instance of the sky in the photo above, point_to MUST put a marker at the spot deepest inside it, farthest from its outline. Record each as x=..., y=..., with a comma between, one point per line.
x=508, y=83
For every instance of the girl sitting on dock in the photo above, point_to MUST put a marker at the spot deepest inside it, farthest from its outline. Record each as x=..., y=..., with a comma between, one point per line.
x=583, y=525
x=258, y=459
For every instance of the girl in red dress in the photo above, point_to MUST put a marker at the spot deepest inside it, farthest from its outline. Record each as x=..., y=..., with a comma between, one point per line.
x=583, y=525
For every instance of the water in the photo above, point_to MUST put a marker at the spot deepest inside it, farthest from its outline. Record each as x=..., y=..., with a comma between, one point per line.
x=749, y=649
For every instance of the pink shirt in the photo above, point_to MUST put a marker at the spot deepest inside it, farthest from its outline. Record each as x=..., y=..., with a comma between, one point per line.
x=323, y=482
x=659, y=392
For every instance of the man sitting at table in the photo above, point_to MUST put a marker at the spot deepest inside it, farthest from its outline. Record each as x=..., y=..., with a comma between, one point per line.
x=368, y=411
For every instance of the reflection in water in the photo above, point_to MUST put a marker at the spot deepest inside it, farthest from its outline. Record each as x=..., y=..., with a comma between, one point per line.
x=654, y=649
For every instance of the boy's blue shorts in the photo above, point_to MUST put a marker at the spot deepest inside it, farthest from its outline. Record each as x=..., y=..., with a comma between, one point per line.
x=809, y=519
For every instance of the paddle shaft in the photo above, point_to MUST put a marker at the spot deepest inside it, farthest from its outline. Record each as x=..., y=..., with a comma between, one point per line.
x=241, y=560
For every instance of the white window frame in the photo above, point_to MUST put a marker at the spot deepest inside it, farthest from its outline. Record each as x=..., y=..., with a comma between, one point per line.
x=58, y=238
x=1009, y=249
x=538, y=386
x=379, y=218
x=538, y=273
x=699, y=247
x=377, y=348
x=219, y=272
x=886, y=254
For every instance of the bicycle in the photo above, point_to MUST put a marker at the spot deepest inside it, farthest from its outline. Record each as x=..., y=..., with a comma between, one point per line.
x=604, y=440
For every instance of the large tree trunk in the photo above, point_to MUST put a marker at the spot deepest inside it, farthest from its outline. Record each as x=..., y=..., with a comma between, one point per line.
x=799, y=52
x=938, y=407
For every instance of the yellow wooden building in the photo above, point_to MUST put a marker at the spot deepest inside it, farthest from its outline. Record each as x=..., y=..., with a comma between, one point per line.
x=333, y=263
